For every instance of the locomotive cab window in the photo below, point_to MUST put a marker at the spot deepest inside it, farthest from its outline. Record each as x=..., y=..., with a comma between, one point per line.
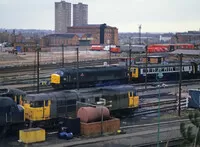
x=37, y=104
x=134, y=70
x=130, y=93
x=46, y=103
x=97, y=99
x=83, y=100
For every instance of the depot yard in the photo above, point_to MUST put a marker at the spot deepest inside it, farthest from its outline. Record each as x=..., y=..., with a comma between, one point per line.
x=55, y=57
x=54, y=141
x=29, y=58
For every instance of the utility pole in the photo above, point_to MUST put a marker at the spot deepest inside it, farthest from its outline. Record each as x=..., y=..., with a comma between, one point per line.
x=109, y=55
x=129, y=66
x=158, y=77
x=63, y=56
x=130, y=51
x=180, y=82
x=140, y=27
x=146, y=62
x=77, y=66
x=38, y=69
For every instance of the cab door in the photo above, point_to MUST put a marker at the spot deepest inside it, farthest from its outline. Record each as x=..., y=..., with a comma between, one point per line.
x=133, y=100
x=194, y=68
x=38, y=110
x=46, y=109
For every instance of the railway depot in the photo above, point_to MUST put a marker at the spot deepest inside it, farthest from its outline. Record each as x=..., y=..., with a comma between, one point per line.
x=38, y=107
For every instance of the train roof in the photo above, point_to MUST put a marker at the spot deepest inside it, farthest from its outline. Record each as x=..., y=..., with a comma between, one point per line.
x=82, y=93
x=162, y=65
x=11, y=91
x=101, y=68
x=118, y=88
x=6, y=101
x=51, y=96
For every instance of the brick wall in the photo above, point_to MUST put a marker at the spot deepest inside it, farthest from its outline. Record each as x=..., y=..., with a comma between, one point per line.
x=111, y=33
x=93, y=129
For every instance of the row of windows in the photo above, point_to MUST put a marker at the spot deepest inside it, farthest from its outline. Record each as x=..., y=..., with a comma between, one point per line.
x=149, y=70
x=36, y=104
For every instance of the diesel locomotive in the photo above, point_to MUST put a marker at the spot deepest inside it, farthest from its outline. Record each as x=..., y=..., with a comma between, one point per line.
x=47, y=109
x=11, y=108
x=89, y=77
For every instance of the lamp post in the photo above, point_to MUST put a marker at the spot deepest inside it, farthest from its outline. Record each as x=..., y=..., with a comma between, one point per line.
x=63, y=56
x=158, y=77
x=38, y=68
x=146, y=62
x=180, y=84
x=102, y=103
x=77, y=66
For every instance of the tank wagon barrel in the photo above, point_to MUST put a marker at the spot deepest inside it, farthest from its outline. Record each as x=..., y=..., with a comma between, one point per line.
x=91, y=114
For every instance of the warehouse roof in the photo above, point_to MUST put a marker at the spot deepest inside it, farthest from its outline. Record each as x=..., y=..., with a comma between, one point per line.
x=186, y=52
x=66, y=35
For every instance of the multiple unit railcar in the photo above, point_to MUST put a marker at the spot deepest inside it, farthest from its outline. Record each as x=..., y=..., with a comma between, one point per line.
x=169, y=71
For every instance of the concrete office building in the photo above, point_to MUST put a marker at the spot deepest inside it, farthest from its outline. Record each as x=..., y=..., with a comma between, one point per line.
x=80, y=14
x=62, y=16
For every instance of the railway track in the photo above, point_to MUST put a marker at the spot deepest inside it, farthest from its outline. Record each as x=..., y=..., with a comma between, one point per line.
x=30, y=68
x=152, y=108
x=29, y=76
x=31, y=87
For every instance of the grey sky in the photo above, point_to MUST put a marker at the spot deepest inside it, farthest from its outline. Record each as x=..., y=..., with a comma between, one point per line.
x=126, y=15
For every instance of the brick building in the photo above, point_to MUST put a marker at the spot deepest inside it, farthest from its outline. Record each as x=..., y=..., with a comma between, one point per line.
x=54, y=40
x=110, y=33
x=25, y=46
x=187, y=37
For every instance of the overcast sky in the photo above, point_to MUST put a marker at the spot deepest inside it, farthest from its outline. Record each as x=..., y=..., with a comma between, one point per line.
x=126, y=15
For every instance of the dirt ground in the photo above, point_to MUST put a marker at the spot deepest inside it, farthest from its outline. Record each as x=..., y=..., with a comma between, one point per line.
x=50, y=57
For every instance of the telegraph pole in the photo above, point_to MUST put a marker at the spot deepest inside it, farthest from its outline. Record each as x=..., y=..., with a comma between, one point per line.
x=130, y=54
x=77, y=66
x=180, y=82
x=130, y=51
x=109, y=55
x=63, y=56
x=146, y=48
x=38, y=69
